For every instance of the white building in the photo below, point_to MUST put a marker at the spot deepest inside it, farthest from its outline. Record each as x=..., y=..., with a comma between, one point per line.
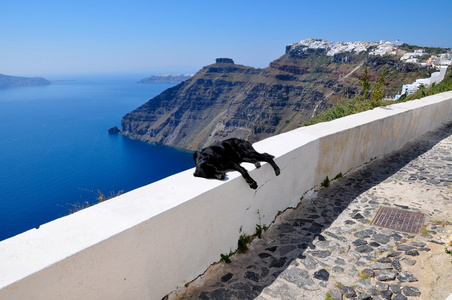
x=412, y=60
x=412, y=55
x=386, y=48
x=408, y=89
x=444, y=60
x=435, y=78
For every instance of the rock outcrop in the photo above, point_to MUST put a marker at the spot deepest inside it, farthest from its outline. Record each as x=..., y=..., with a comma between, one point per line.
x=227, y=100
x=114, y=130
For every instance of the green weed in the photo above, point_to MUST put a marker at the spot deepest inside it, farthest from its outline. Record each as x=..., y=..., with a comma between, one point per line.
x=242, y=244
x=449, y=251
x=326, y=182
x=226, y=258
x=100, y=197
x=328, y=296
x=363, y=275
x=362, y=103
x=259, y=230
x=338, y=176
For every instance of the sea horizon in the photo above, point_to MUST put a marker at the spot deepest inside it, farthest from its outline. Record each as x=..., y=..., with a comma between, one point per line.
x=56, y=152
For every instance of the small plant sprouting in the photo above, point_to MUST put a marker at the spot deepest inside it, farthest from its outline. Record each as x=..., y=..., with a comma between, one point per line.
x=242, y=244
x=449, y=251
x=326, y=182
x=226, y=258
x=363, y=275
x=75, y=207
x=424, y=230
x=259, y=230
x=100, y=198
x=441, y=223
x=328, y=296
x=338, y=176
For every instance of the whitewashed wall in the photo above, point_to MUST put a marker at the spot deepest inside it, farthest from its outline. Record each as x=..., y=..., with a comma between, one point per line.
x=151, y=241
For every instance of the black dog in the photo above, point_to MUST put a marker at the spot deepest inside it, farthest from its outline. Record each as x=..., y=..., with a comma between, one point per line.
x=215, y=160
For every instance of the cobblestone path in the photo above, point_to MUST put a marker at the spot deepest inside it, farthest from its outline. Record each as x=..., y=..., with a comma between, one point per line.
x=327, y=248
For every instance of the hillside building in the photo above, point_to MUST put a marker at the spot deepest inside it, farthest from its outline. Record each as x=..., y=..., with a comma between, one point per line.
x=435, y=78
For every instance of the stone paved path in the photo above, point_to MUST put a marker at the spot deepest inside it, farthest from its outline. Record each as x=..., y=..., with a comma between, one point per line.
x=327, y=247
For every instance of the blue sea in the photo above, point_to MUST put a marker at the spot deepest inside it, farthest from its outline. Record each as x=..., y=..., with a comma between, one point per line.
x=55, y=151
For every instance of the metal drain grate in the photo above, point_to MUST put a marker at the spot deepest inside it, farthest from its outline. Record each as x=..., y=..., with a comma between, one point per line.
x=399, y=219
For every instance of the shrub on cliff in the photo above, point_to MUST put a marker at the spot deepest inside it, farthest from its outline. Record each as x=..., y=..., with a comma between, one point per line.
x=360, y=103
x=443, y=86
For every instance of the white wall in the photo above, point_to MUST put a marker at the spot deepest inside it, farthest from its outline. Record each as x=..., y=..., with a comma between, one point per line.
x=151, y=241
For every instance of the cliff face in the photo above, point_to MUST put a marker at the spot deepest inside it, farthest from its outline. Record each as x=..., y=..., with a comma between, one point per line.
x=227, y=100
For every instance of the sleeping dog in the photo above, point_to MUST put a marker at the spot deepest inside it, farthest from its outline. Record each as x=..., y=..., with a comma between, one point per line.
x=215, y=160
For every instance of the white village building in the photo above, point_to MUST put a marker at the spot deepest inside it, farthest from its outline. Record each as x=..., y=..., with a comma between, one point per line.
x=435, y=78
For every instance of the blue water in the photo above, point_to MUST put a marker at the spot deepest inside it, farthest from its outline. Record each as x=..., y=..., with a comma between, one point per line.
x=55, y=150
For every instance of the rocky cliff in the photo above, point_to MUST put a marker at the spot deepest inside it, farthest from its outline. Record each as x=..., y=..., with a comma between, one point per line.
x=7, y=81
x=227, y=100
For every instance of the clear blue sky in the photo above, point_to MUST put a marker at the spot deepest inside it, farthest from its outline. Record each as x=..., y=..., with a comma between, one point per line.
x=39, y=38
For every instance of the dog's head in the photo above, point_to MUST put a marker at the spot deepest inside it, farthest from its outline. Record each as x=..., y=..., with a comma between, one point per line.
x=205, y=168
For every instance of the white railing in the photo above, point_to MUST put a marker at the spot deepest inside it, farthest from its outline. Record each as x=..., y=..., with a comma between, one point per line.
x=149, y=242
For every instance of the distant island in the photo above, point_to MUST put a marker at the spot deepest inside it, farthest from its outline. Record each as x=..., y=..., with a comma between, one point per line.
x=7, y=81
x=166, y=78
x=62, y=80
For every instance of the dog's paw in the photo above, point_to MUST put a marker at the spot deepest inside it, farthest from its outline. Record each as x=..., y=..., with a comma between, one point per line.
x=253, y=185
x=277, y=172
